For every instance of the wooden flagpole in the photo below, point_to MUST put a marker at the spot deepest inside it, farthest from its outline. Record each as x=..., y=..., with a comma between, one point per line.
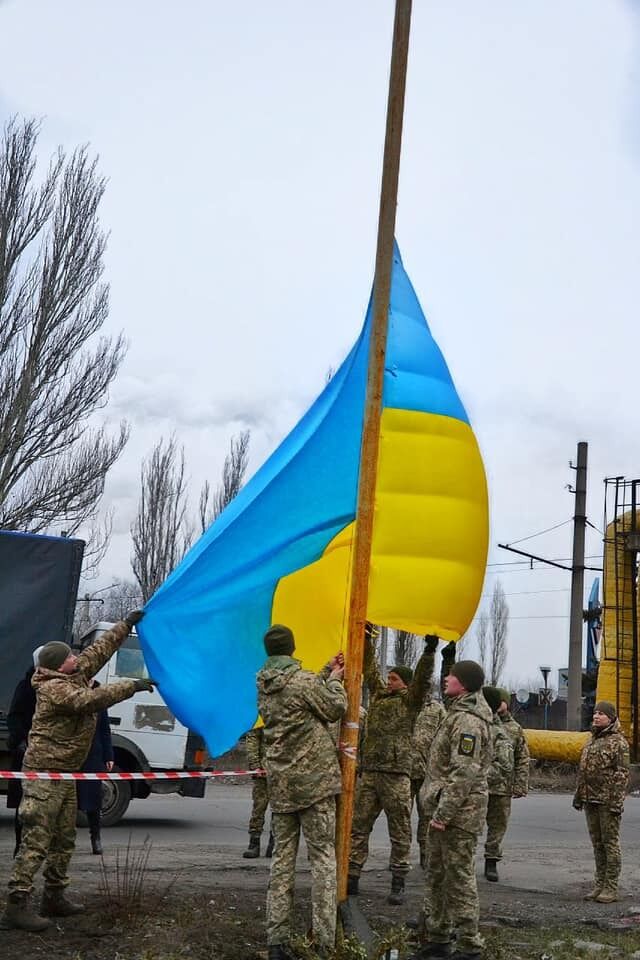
x=371, y=434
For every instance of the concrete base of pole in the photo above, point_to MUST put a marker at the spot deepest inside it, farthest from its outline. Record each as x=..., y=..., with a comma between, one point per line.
x=354, y=923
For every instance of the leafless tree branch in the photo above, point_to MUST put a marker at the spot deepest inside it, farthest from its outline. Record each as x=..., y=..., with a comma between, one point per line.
x=161, y=531
x=54, y=376
x=233, y=472
x=404, y=650
x=498, y=630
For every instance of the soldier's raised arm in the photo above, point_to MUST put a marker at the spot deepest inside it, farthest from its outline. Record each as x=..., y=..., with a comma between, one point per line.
x=370, y=669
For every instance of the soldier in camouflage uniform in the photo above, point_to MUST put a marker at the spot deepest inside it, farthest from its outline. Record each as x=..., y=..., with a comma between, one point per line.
x=455, y=797
x=61, y=734
x=303, y=777
x=500, y=783
x=427, y=723
x=387, y=761
x=254, y=745
x=517, y=786
x=603, y=779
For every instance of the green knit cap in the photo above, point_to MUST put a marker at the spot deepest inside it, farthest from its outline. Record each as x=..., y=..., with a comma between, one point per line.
x=278, y=641
x=505, y=696
x=405, y=673
x=469, y=673
x=53, y=655
x=603, y=706
x=493, y=696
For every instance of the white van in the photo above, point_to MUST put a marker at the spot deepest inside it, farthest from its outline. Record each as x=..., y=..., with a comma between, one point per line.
x=146, y=735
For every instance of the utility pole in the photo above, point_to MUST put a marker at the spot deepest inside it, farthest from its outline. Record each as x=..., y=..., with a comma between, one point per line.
x=363, y=533
x=574, y=695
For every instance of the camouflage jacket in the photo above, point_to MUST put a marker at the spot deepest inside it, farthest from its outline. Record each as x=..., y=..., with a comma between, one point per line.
x=424, y=731
x=455, y=789
x=300, y=755
x=520, y=785
x=254, y=745
x=64, y=723
x=500, y=778
x=387, y=745
x=603, y=775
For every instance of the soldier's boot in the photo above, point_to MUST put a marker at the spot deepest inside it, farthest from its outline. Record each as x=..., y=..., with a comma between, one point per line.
x=608, y=894
x=253, y=850
x=18, y=915
x=491, y=869
x=596, y=891
x=353, y=885
x=269, y=851
x=396, y=897
x=96, y=843
x=94, y=832
x=54, y=903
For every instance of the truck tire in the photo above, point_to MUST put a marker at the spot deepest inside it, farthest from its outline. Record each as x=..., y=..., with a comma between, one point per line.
x=116, y=797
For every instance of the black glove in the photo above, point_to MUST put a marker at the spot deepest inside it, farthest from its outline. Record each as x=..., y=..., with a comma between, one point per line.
x=431, y=642
x=449, y=653
x=577, y=804
x=147, y=685
x=134, y=617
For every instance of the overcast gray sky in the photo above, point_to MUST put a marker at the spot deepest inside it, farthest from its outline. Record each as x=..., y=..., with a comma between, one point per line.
x=243, y=145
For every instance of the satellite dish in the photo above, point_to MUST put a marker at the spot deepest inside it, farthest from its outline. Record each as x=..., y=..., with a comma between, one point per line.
x=522, y=695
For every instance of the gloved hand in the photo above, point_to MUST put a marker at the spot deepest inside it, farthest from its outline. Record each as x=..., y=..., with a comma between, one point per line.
x=147, y=685
x=577, y=804
x=431, y=643
x=135, y=616
x=449, y=653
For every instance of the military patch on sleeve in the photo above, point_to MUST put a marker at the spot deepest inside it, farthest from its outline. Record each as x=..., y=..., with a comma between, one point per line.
x=467, y=744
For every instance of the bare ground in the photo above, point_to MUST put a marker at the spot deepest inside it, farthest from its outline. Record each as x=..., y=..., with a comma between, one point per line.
x=209, y=912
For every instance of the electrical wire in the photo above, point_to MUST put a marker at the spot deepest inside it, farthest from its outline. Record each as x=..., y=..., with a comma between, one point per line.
x=541, y=532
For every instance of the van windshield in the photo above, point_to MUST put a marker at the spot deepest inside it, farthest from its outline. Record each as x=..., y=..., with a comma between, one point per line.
x=130, y=661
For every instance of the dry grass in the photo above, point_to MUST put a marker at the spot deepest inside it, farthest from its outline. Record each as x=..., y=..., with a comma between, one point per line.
x=125, y=884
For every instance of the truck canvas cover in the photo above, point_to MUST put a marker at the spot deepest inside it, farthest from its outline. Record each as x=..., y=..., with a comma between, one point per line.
x=39, y=579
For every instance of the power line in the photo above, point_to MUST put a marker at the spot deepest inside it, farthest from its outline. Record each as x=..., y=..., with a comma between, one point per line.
x=526, y=563
x=541, y=532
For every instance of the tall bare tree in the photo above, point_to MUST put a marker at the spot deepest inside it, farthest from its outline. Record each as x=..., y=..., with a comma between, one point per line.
x=404, y=650
x=54, y=374
x=161, y=531
x=482, y=630
x=233, y=472
x=498, y=631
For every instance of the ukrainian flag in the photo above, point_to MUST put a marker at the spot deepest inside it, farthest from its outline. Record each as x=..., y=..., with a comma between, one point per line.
x=281, y=551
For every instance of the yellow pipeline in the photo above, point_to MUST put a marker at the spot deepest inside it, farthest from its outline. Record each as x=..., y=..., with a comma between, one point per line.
x=615, y=676
x=563, y=745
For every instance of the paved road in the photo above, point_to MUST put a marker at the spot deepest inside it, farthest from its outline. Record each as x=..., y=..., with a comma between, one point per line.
x=547, y=847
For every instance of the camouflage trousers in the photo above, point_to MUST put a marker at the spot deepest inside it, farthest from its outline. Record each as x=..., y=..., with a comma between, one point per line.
x=376, y=792
x=604, y=830
x=498, y=812
x=423, y=816
x=259, y=804
x=318, y=824
x=48, y=815
x=452, y=890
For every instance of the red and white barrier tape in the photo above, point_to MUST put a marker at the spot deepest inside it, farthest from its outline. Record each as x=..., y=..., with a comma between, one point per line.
x=124, y=775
